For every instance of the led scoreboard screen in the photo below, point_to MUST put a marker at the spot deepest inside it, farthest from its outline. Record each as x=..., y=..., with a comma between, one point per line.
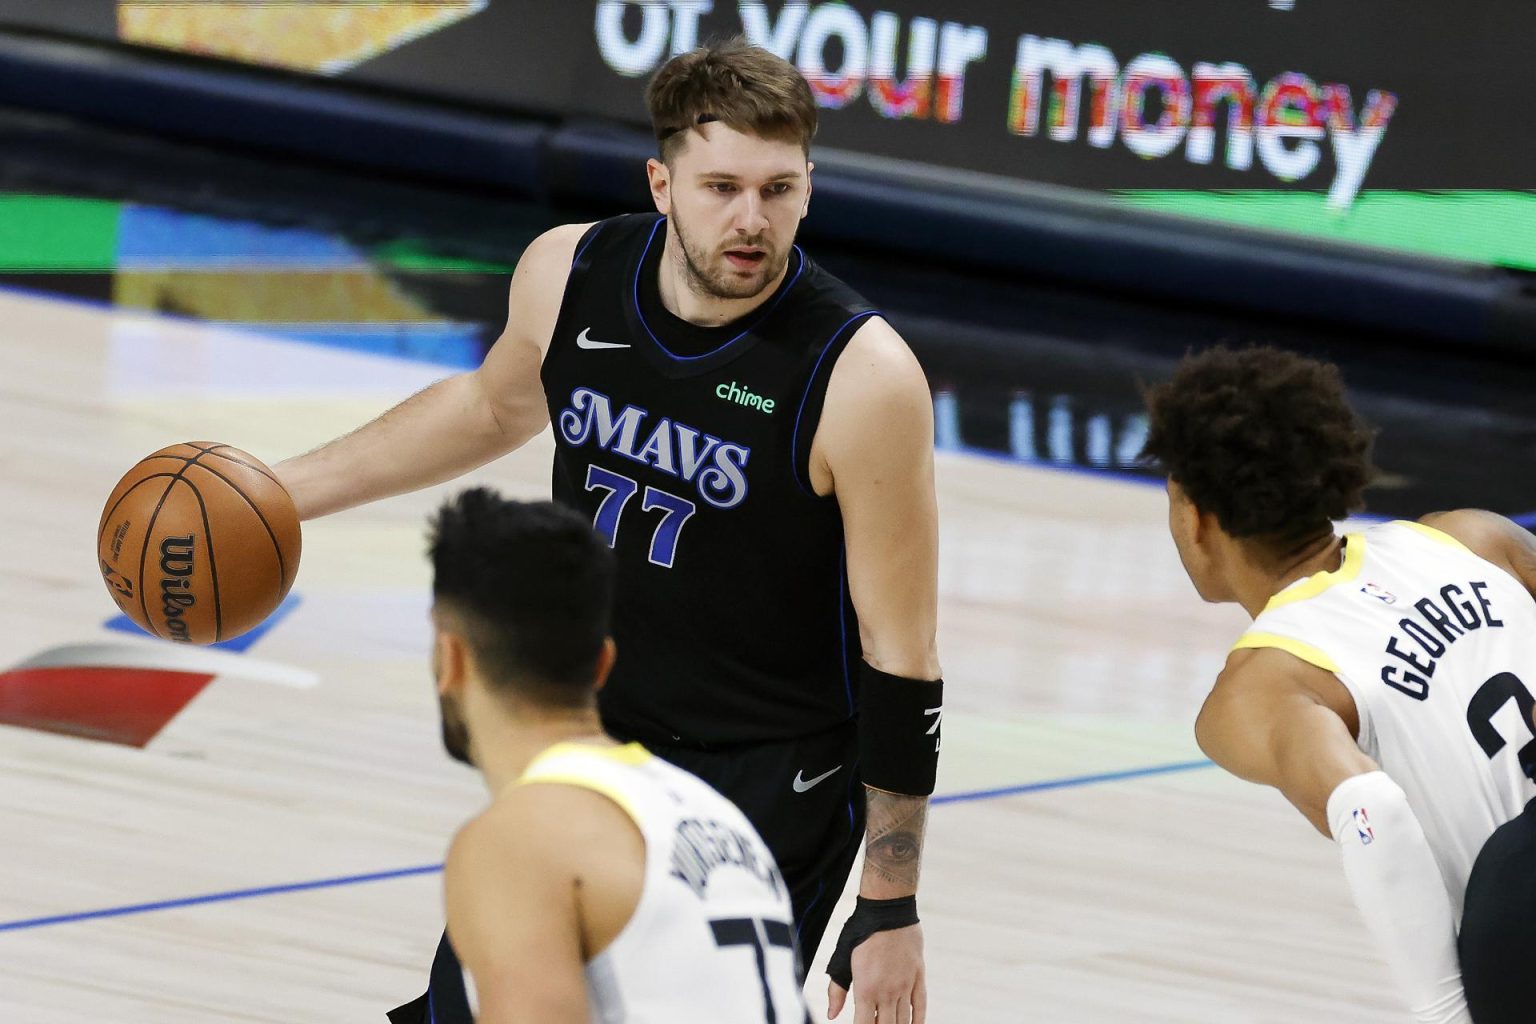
x=1367, y=122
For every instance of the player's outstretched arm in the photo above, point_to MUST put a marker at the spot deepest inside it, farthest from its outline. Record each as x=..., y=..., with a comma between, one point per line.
x=875, y=444
x=458, y=423
x=513, y=916
x=1278, y=721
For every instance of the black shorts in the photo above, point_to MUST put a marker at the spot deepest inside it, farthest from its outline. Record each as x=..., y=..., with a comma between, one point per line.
x=445, y=1001
x=1497, y=943
x=806, y=798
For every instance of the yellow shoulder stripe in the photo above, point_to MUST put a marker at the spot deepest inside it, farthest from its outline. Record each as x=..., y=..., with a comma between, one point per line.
x=1306, y=652
x=586, y=781
x=632, y=754
x=1439, y=536
x=1349, y=568
x=580, y=764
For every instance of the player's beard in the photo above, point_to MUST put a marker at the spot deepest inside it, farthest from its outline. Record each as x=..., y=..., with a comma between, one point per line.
x=710, y=274
x=455, y=730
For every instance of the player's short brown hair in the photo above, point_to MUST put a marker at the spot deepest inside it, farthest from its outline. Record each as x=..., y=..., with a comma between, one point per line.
x=1265, y=440
x=744, y=87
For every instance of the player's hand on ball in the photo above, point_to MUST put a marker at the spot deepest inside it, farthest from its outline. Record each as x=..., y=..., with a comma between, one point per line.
x=889, y=981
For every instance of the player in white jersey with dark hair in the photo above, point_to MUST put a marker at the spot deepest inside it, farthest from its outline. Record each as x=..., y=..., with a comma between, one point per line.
x=1385, y=686
x=601, y=884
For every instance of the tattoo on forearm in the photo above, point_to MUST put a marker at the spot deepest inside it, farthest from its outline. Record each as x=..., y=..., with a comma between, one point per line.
x=893, y=848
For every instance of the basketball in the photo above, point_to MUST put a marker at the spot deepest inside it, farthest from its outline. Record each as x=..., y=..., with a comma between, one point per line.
x=198, y=542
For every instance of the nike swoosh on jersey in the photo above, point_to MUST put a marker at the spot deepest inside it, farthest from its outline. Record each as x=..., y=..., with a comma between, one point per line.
x=584, y=340
x=802, y=784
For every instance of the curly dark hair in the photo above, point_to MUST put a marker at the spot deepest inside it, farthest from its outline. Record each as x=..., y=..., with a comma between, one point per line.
x=532, y=584
x=1263, y=439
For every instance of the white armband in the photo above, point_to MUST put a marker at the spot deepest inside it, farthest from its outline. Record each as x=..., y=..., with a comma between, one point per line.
x=1397, y=886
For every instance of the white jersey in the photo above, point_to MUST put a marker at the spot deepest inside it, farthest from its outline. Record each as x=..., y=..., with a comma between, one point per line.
x=712, y=939
x=1438, y=648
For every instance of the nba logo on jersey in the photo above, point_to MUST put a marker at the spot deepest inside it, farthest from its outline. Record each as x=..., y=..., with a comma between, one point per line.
x=1379, y=593
x=1363, y=827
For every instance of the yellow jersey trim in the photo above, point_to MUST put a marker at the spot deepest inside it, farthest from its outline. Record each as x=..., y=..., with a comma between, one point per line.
x=1349, y=568
x=585, y=781
x=1306, y=652
x=1439, y=536
x=561, y=763
x=632, y=754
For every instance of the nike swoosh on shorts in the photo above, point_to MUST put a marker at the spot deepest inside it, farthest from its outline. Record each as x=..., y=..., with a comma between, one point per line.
x=802, y=784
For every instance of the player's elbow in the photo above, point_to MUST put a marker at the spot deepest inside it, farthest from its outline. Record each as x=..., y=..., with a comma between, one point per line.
x=906, y=655
x=510, y=418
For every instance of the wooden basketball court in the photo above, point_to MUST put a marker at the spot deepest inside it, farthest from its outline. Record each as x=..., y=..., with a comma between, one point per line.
x=270, y=854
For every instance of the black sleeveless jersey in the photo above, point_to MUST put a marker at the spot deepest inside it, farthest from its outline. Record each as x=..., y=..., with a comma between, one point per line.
x=689, y=448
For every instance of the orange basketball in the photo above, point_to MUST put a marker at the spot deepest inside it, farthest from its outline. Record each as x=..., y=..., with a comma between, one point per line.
x=198, y=542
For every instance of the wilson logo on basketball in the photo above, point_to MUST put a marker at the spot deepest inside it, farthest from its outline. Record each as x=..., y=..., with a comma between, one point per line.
x=176, y=565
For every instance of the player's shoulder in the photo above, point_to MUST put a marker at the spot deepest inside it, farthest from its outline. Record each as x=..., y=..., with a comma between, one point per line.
x=535, y=826
x=1275, y=665
x=1492, y=537
x=1253, y=668
x=1476, y=529
x=878, y=369
x=1255, y=678
x=556, y=247
x=1251, y=679
x=876, y=339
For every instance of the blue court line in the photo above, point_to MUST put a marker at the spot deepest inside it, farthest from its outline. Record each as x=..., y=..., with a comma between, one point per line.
x=429, y=869
x=216, y=897
x=1070, y=782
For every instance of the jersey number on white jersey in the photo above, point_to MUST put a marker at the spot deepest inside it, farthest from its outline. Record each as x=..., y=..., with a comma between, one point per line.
x=760, y=935
x=1487, y=701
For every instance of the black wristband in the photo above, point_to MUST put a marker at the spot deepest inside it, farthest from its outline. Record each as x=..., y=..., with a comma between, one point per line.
x=869, y=917
x=899, y=731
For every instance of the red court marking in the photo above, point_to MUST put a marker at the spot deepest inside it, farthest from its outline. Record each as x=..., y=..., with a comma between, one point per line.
x=115, y=705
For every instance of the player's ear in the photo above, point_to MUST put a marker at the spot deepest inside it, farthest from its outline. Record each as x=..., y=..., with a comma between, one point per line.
x=1183, y=517
x=1192, y=522
x=605, y=660
x=450, y=661
x=805, y=207
x=660, y=178
x=1204, y=527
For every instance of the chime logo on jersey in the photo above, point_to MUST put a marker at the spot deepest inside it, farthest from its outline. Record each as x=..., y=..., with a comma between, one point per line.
x=1363, y=827
x=742, y=395
x=716, y=467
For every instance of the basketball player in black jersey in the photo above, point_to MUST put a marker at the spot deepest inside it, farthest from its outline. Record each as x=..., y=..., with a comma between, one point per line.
x=756, y=442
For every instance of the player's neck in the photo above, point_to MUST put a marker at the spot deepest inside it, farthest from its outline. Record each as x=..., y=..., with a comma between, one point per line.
x=683, y=298
x=1323, y=554
x=507, y=745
